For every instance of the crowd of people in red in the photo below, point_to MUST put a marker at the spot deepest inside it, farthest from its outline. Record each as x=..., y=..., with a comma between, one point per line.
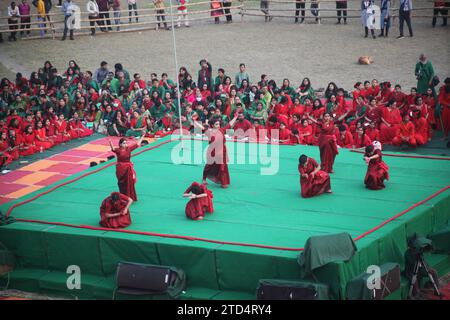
x=49, y=108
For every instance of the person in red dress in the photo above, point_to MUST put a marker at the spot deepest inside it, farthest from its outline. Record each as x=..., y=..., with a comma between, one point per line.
x=115, y=211
x=313, y=181
x=29, y=144
x=126, y=176
x=390, y=118
x=444, y=101
x=14, y=144
x=377, y=170
x=61, y=130
x=405, y=133
x=216, y=168
x=361, y=139
x=41, y=137
x=77, y=129
x=305, y=132
x=5, y=157
x=327, y=142
x=344, y=139
x=50, y=131
x=201, y=201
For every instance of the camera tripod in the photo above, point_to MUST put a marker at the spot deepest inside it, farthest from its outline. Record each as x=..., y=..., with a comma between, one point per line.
x=421, y=263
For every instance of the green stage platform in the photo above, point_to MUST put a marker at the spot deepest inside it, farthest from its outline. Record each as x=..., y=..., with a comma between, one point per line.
x=257, y=210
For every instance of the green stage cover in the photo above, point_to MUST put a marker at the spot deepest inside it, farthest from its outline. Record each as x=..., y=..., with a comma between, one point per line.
x=256, y=209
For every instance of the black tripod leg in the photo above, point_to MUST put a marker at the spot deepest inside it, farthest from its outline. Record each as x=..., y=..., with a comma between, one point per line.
x=414, y=278
x=431, y=276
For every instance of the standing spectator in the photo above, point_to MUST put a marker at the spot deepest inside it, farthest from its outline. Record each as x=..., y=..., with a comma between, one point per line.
x=315, y=9
x=367, y=17
x=216, y=10
x=424, y=74
x=25, y=17
x=93, y=12
x=241, y=75
x=341, y=6
x=299, y=4
x=101, y=73
x=442, y=8
x=182, y=11
x=116, y=13
x=265, y=9
x=13, y=20
x=67, y=9
x=404, y=14
x=226, y=6
x=132, y=4
x=385, y=18
x=160, y=14
x=103, y=7
x=41, y=16
x=48, y=7
x=205, y=75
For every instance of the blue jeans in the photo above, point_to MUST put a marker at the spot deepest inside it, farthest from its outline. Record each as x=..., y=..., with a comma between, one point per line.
x=117, y=19
x=41, y=25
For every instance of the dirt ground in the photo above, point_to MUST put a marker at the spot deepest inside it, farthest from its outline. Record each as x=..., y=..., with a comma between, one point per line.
x=280, y=49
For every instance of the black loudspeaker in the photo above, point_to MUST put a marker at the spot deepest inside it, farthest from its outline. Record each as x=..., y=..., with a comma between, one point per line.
x=141, y=279
x=273, y=289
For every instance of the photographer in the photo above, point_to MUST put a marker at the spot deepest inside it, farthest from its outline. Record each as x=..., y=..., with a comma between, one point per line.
x=424, y=74
x=416, y=248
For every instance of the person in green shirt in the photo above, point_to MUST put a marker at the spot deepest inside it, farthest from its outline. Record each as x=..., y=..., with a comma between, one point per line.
x=267, y=97
x=306, y=91
x=286, y=87
x=259, y=114
x=89, y=82
x=114, y=83
x=19, y=105
x=118, y=67
x=241, y=75
x=156, y=87
x=167, y=84
x=424, y=74
x=220, y=79
x=158, y=110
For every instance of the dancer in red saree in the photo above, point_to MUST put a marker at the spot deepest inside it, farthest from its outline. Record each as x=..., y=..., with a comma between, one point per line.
x=327, y=142
x=313, y=181
x=126, y=176
x=216, y=168
x=377, y=170
x=115, y=211
x=201, y=201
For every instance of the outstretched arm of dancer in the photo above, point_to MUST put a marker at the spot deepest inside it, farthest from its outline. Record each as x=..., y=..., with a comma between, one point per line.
x=194, y=196
x=367, y=159
x=198, y=125
x=233, y=121
x=111, y=145
x=139, y=142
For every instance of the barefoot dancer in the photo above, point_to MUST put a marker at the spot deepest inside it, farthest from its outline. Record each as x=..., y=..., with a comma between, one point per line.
x=377, y=170
x=126, y=176
x=313, y=181
x=216, y=168
x=201, y=201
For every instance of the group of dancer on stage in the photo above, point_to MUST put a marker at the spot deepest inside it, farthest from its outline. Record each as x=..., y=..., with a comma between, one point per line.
x=314, y=178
